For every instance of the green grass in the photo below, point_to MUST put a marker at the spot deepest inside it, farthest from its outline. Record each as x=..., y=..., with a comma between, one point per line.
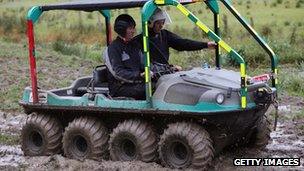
x=299, y=115
x=54, y=69
x=9, y=139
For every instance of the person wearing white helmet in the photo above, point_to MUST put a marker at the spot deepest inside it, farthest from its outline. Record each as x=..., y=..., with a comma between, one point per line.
x=161, y=39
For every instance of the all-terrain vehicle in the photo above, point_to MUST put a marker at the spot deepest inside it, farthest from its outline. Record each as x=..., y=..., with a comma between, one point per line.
x=189, y=118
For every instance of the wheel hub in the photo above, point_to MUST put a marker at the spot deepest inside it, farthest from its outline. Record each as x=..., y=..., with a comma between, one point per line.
x=128, y=149
x=36, y=140
x=179, y=154
x=80, y=145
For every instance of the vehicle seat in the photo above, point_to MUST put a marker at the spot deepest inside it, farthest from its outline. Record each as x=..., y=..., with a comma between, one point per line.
x=98, y=83
x=100, y=76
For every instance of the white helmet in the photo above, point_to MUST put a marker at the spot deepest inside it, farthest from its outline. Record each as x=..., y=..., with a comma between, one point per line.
x=160, y=15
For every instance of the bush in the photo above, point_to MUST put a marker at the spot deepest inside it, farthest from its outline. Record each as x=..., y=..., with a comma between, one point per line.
x=293, y=84
x=7, y=22
x=279, y=1
x=66, y=49
x=286, y=23
x=273, y=4
x=90, y=16
x=266, y=31
x=288, y=53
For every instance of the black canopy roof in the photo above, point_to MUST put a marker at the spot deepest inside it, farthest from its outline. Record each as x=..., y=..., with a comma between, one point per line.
x=95, y=5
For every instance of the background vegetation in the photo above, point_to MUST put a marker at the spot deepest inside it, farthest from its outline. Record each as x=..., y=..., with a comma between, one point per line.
x=69, y=44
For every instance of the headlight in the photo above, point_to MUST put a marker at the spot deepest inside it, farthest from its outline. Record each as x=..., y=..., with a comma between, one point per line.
x=220, y=98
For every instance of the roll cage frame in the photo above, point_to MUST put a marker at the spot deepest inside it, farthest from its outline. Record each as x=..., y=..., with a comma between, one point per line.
x=147, y=11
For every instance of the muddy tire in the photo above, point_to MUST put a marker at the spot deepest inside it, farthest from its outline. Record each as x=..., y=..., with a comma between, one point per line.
x=133, y=140
x=261, y=135
x=41, y=135
x=184, y=145
x=85, y=138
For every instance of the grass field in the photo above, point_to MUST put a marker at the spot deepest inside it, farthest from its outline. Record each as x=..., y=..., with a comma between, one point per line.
x=70, y=41
x=278, y=21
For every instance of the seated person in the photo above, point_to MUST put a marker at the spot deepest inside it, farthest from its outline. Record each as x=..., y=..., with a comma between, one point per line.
x=124, y=61
x=161, y=39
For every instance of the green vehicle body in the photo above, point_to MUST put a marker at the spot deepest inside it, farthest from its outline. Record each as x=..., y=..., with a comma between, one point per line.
x=237, y=116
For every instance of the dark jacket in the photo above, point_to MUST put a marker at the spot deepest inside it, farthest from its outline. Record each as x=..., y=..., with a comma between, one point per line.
x=124, y=63
x=159, y=45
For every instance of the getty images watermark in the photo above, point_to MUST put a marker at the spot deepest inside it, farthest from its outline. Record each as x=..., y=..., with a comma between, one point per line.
x=266, y=161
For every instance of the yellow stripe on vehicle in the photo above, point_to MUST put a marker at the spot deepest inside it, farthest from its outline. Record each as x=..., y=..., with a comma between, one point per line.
x=243, y=73
x=146, y=28
x=145, y=44
x=183, y=9
x=202, y=26
x=275, y=71
x=225, y=46
x=244, y=102
x=148, y=59
x=159, y=1
x=146, y=74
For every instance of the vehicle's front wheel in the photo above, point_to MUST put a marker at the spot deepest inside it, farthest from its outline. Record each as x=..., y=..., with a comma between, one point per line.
x=184, y=145
x=261, y=134
x=133, y=140
x=41, y=135
x=85, y=138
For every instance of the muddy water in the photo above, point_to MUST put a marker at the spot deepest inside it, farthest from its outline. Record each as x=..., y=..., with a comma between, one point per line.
x=285, y=143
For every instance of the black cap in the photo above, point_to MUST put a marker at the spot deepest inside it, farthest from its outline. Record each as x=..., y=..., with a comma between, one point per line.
x=122, y=22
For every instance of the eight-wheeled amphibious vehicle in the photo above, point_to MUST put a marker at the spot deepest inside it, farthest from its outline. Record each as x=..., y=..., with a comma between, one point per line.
x=189, y=118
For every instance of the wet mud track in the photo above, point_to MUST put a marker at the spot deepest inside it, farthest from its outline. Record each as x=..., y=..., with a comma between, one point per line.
x=287, y=141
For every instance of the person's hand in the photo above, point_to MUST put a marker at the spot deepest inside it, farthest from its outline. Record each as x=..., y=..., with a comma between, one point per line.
x=143, y=74
x=211, y=45
x=177, y=68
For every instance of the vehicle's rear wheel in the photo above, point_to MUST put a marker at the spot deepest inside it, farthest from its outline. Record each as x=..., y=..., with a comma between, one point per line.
x=184, y=145
x=85, y=138
x=133, y=140
x=41, y=135
x=261, y=135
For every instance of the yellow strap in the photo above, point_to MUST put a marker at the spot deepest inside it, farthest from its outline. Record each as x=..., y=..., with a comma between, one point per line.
x=146, y=74
x=148, y=59
x=202, y=26
x=146, y=29
x=183, y=9
x=243, y=73
x=159, y=1
x=145, y=44
x=225, y=46
x=244, y=101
